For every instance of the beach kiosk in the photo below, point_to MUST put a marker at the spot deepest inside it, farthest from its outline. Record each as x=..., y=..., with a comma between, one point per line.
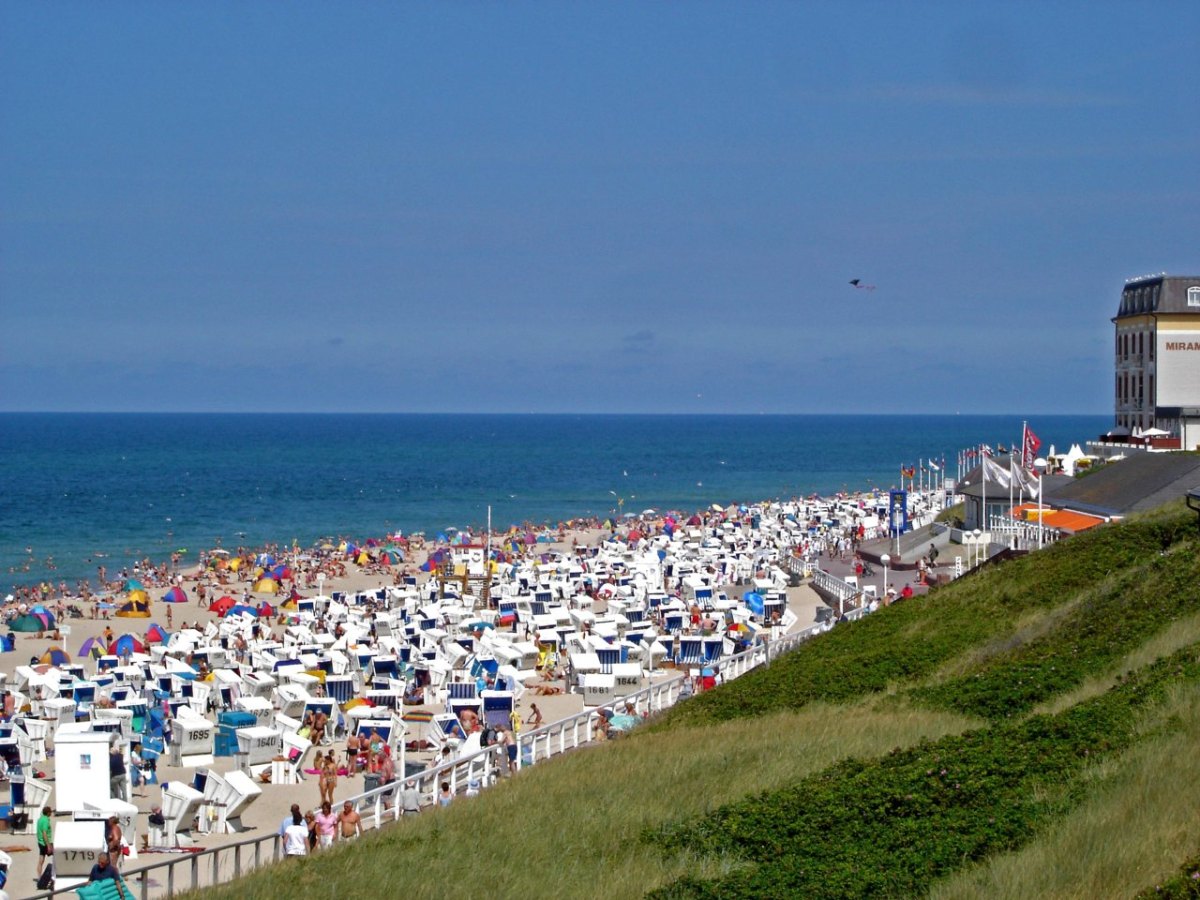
x=81, y=768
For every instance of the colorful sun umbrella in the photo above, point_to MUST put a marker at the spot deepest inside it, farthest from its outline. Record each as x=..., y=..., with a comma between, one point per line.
x=221, y=606
x=156, y=634
x=266, y=586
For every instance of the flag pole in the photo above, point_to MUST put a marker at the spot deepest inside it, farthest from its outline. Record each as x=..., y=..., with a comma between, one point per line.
x=983, y=485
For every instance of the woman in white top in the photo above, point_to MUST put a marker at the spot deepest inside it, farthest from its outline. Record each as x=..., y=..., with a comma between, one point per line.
x=295, y=837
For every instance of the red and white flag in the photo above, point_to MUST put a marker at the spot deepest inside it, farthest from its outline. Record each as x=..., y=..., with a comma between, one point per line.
x=1030, y=443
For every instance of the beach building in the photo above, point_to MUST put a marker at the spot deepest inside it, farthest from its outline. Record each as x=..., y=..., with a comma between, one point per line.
x=1157, y=359
x=990, y=490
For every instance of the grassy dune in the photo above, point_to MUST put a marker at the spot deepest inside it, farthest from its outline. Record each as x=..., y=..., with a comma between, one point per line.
x=1027, y=731
x=575, y=823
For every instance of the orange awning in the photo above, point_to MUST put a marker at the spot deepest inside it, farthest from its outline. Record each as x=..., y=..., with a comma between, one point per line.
x=1060, y=519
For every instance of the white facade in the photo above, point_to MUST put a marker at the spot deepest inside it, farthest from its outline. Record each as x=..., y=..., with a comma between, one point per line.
x=1157, y=356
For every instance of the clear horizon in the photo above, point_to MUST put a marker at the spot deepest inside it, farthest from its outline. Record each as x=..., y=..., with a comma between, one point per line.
x=634, y=208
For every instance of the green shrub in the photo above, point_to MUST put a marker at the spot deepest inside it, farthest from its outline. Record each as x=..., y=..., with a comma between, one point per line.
x=891, y=826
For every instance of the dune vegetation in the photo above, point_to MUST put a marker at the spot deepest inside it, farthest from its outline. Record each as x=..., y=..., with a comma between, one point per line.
x=1027, y=730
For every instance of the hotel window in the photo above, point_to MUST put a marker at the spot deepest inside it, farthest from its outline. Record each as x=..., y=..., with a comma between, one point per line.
x=1194, y=296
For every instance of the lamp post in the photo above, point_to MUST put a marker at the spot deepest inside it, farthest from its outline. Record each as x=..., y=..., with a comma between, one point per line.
x=978, y=537
x=886, y=560
x=1040, y=465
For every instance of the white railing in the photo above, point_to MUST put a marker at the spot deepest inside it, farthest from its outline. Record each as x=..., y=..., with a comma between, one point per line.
x=190, y=871
x=802, y=566
x=486, y=766
x=838, y=588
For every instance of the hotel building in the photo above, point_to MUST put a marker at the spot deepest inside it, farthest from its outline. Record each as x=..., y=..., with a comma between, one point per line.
x=1158, y=357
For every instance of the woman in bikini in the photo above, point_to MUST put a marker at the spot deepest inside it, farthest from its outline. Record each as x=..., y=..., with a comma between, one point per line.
x=329, y=778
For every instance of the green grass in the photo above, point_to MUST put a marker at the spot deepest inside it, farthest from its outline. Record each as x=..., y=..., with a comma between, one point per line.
x=1136, y=823
x=919, y=637
x=1026, y=731
x=574, y=822
x=891, y=826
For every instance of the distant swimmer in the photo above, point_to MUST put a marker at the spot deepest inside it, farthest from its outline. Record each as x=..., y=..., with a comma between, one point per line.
x=858, y=285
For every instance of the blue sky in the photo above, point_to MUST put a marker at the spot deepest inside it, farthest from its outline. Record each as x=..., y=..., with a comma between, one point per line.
x=586, y=207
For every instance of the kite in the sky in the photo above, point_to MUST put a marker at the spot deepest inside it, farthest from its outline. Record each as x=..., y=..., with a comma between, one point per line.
x=858, y=285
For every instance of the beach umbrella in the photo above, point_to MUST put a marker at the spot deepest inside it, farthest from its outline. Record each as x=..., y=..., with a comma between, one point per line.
x=126, y=643
x=132, y=584
x=694, y=521
x=241, y=610
x=279, y=573
x=220, y=607
x=235, y=563
x=134, y=609
x=175, y=595
x=27, y=623
x=54, y=656
x=754, y=602
x=266, y=586
x=635, y=535
x=45, y=617
x=265, y=610
x=363, y=558
x=156, y=634
x=266, y=560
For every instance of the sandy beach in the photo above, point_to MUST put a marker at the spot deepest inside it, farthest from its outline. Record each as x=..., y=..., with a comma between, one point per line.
x=265, y=814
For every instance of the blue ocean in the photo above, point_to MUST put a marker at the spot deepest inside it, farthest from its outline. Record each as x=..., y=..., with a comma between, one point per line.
x=77, y=490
